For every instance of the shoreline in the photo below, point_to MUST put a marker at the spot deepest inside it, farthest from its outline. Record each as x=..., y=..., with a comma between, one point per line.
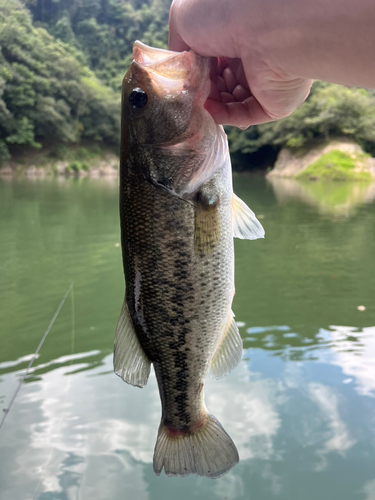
x=79, y=160
x=336, y=160
x=107, y=170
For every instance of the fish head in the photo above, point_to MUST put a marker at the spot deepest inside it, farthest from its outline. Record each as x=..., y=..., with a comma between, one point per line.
x=163, y=96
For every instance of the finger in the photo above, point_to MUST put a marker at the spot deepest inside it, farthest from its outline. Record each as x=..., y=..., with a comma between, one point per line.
x=240, y=94
x=226, y=97
x=176, y=42
x=238, y=70
x=221, y=64
x=230, y=80
x=239, y=114
x=220, y=83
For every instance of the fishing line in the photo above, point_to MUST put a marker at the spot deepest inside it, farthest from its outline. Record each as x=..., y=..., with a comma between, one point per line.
x=7, y=410
x=67, y=390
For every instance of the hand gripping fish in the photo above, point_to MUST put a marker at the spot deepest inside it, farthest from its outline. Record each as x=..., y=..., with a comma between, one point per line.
x=178, y=218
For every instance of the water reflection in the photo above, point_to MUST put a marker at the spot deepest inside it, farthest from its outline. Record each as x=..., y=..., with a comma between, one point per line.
x=300, y=406
x=86, y=434
x=339, y=199
x=338, y=436
x=91, y=435
x=350, y=348
x=353, y=350
x=369, y=490
x=249, y=410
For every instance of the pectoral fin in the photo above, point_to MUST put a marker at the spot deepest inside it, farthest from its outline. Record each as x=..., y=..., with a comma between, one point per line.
x=130, y=361
x=229, y=352
x=245, y=225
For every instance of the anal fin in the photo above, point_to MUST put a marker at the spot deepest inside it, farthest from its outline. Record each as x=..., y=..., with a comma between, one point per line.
x=245, y=225
x=130, y=361
x=229, y=352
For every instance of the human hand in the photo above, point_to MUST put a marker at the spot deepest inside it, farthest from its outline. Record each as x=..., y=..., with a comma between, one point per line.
x=247, y=86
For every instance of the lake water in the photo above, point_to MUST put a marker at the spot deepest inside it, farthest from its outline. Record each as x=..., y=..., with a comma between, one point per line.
x=300, y=406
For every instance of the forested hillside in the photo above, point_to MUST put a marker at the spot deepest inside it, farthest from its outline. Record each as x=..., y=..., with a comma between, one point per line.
x=104, y=30
x=62, y=63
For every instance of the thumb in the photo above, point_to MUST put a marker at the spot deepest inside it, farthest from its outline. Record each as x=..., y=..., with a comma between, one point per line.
x=176, y=42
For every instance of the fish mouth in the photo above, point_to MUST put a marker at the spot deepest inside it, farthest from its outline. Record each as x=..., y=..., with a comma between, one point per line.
x=166, y=63
x=171, y=73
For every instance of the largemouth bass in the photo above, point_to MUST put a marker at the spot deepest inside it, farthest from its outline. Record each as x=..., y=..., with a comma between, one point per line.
x=178, y=218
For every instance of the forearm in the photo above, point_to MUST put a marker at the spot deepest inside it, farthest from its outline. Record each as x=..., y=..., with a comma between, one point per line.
x=332, y=40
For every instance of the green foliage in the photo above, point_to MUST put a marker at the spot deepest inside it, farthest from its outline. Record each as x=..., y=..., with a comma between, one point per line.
x=336, y=166
x=77, y=166
x=105, y=30
x=83, y=155
x=59, y=151
x=4, y=151
x=330, y=111
x=46, y=91
x=24, y=133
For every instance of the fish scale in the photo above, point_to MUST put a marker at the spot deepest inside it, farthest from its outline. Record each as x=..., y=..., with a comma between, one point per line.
x=185, y=295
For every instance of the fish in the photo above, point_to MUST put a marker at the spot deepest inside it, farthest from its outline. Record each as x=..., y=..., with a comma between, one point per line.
x=178, y=217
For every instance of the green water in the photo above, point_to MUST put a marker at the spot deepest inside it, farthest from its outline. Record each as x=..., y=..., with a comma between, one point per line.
x=301, y=404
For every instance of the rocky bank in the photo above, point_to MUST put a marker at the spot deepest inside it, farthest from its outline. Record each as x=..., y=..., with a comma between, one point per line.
x=337, y=160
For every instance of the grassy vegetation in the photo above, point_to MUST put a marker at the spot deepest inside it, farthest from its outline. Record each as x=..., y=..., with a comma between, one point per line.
x=80, y=153
x=336, y=166
x=77, y=166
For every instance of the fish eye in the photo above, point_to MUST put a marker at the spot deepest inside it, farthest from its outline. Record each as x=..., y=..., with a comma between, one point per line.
x=138, y=98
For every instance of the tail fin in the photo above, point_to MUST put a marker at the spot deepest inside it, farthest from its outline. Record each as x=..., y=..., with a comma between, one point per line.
x=208, y=452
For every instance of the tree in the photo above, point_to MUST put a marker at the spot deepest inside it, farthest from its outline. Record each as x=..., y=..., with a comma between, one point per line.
x=330, y=111
x=46, y=90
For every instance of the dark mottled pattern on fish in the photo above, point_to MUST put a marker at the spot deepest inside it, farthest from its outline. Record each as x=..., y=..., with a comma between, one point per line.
x=179, y=281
